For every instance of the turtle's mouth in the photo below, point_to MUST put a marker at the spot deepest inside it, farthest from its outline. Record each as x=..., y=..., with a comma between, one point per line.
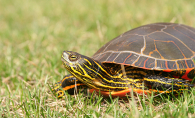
x=64, y=61
x=64, y=58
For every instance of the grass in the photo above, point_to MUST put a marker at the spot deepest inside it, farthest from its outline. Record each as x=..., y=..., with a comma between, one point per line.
x=34, y=33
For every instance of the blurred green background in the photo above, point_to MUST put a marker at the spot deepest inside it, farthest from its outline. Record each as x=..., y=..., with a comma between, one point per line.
x=33, y=34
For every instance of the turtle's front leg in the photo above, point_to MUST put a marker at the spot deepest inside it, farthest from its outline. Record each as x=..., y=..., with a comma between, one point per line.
x=69, y=83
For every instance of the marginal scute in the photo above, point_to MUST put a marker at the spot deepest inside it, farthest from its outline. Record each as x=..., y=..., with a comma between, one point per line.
x=182, y=64
x=122, y=57
x=172, y=65
x=104, y=56
x=150, y=63
x=161, y=64
x=112, y=56
x=131, y=59
x=190, y=63
x=141, y=62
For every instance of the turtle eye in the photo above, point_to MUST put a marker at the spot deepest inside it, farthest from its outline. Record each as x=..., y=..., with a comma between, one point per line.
x=73, y=57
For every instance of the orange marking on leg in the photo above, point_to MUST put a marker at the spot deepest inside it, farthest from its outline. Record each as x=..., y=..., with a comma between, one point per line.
x=71, y=86
x=127, y=58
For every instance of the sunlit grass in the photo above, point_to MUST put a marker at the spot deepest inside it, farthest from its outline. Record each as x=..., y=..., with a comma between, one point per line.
x=34, y=33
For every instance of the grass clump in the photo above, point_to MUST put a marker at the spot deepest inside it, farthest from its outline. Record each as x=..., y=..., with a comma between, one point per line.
x=33, y=35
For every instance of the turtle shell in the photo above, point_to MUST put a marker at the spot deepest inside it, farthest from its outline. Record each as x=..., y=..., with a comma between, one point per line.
x=159, y=46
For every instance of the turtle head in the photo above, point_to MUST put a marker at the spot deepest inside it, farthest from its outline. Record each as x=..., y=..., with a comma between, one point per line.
x=82, y=67
x=91, y=72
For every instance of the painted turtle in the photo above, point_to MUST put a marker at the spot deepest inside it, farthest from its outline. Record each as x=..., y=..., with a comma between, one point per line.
x=156, y=57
